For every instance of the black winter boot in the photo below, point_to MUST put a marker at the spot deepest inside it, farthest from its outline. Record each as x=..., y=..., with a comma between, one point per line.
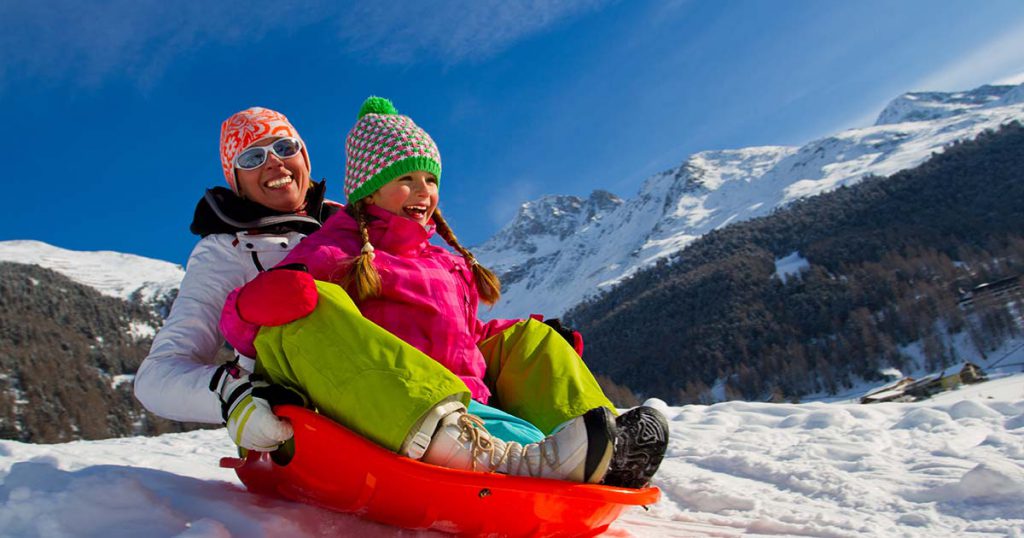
x=640, y=445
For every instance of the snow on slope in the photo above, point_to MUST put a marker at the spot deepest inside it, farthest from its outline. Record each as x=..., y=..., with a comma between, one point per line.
x=950, y=466
x=561, y=249
x=112, y=273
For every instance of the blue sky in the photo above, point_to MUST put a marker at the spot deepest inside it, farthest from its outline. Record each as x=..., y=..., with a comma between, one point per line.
x=113, y=108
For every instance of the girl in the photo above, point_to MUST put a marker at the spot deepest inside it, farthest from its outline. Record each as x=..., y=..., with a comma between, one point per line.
x=396, y=352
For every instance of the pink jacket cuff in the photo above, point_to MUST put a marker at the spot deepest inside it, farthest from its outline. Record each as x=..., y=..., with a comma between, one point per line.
x=493, y=327
x=238, y=332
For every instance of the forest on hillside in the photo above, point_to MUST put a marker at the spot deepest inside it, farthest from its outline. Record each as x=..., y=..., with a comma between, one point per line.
x=891, y=262
x=67, y=354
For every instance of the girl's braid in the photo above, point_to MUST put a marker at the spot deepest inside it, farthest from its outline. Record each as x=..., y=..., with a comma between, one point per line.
x=487, y=283
x=362, y=275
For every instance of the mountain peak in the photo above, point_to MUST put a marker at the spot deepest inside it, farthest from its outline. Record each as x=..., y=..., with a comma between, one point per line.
x=924, y=106
x=707, y=171
x=560, y=250
x=599, y=203
x=1014, y=96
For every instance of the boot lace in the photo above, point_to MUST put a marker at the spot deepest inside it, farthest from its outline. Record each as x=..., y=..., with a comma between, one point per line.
x=474, y=432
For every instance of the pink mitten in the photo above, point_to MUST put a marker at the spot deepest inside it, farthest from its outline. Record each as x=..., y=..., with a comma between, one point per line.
x=281, y=295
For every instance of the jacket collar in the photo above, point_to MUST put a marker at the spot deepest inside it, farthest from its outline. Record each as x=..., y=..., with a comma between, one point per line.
x=392, y=233
x=222, y=211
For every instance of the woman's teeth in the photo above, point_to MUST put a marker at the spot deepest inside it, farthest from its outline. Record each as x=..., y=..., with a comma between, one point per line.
x=278, y=183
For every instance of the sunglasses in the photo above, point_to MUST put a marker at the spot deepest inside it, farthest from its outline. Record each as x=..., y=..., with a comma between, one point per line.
x=255, y=156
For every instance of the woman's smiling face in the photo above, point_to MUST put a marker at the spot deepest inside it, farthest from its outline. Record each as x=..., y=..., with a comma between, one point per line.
x=279, y=184
x=413, y=196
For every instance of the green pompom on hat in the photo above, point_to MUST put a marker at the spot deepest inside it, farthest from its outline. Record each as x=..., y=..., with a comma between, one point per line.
x=376, y=105
x=385, y=145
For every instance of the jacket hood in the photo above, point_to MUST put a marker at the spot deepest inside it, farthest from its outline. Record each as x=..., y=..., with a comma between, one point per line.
x=220, y=210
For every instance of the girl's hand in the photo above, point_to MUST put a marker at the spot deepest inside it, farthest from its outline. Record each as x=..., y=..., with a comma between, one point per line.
x=572, y=336
x=278, y=296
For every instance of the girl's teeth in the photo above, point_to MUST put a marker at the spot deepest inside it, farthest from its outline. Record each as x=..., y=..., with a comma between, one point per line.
x=279, y=182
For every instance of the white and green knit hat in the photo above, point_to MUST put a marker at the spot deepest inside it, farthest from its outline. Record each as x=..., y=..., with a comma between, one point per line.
x=385, y=145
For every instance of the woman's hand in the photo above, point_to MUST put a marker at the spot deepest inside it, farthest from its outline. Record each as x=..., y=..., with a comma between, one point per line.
x=246, y=401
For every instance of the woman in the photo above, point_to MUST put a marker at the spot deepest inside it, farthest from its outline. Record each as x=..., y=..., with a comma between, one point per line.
x=271, y=206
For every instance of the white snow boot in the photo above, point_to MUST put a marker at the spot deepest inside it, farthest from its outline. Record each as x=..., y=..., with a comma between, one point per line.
x=580, y=451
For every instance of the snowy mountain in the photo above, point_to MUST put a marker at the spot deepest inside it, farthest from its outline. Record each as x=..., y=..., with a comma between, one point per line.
x=949, y=466
x=67, y=357
x=113, y=274
x=559, y=250
x=926, y=106
x=76, y=325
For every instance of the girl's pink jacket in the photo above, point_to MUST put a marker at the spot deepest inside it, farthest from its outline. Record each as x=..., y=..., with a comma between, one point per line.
x=429, y=297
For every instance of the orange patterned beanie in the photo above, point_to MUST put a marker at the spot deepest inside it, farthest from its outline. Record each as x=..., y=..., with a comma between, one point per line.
x=244, y=128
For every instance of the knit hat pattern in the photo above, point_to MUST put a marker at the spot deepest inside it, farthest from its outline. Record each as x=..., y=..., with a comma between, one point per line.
x=251, y=125
x=384, y=145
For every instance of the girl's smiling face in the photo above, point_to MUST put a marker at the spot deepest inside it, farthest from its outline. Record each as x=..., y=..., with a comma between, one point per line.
x=413, y=196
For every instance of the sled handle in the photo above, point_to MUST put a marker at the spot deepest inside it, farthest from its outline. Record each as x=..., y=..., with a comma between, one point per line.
x=230, y=462
x=237, y=462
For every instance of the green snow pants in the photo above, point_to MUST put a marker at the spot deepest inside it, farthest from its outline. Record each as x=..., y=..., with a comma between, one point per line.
x=377, y=385
x=534, y=374
x=355, y=372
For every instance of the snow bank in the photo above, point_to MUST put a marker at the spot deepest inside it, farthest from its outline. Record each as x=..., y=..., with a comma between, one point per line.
x=790, y=266
x=950, y=466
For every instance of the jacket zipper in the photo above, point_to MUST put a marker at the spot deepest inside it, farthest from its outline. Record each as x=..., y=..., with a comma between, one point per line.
x=461, y=278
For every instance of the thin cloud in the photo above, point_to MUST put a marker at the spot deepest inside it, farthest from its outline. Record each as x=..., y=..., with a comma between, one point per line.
x=88, y=43
x=1011, y=80
x=452, y=32
x=1002, y=57
x=998, y=61
x=504, y=207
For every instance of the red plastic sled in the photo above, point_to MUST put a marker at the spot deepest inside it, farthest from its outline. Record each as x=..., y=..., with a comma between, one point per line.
x=336, y=469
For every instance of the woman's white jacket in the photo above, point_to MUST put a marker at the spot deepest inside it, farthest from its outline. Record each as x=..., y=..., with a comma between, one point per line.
x=174, y=379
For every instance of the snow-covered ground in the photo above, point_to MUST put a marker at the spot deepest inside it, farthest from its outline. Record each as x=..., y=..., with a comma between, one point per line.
x=949, y=466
